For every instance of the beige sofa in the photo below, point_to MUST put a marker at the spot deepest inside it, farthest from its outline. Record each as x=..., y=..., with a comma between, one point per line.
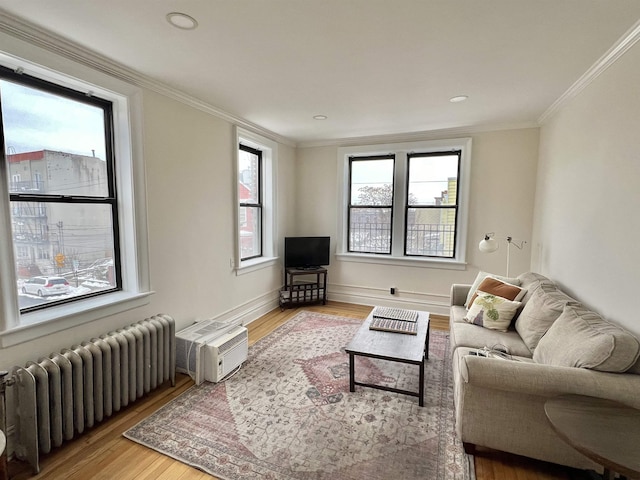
x=555, y=346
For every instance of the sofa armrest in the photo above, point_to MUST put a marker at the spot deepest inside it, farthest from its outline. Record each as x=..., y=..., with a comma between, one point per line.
x=459, y=294
x=548, y=381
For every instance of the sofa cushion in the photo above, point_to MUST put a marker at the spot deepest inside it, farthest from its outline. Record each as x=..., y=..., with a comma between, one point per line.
x=480, y=277
x=529, y=281
x=582, y=338
x=492, y=311
x=545, y=305
x=465, y=334
x=499, y=288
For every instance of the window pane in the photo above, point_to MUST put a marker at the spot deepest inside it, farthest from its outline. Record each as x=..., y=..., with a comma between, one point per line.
x=250, y=235
x=433, y=180
x=70, y=241
x=249, y=175
x=372, y=182
x=370, y=230
x=431, y=232
x=54, y=145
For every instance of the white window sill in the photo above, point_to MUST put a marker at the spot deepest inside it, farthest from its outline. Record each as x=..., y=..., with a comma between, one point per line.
x=420, y=262
x=255, y=264
x=51, y=320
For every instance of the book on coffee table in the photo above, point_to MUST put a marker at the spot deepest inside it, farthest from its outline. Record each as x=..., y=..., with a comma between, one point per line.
x=396, y=326
x=395, y=314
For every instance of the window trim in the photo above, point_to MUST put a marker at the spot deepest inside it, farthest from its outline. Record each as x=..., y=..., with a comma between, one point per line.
x=269, y=169
x=401, y=150
x=130, y=184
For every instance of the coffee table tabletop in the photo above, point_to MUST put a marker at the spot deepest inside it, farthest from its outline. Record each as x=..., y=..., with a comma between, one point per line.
x=392, y=346
x=607, y=432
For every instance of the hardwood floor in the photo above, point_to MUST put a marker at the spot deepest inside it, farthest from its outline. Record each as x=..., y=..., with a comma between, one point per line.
x=103, y=453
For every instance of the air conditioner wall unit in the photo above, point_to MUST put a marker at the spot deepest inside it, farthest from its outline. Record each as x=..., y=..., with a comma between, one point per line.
x=209, y=351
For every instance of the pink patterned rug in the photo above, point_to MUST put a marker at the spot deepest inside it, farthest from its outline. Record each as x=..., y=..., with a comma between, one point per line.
x=288, y=414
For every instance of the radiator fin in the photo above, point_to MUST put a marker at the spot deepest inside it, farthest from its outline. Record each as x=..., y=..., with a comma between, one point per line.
x=62, y=395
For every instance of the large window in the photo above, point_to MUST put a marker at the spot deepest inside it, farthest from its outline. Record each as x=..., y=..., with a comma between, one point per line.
x=404, y=202
x=73, y=237
x=64, y=218
x=256, y=201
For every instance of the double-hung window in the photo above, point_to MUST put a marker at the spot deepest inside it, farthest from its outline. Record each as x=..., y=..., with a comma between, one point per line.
x=250, y=199
x=370, y=208
x=64, y=216
x=404, y=203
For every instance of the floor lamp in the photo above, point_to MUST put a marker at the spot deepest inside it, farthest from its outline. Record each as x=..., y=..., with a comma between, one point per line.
x=489, y=245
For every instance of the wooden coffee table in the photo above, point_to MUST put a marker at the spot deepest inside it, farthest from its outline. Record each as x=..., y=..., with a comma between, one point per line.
x=607, y=432
x=395, y=347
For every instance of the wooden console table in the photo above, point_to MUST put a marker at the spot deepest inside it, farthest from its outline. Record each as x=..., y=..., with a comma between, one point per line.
x=303, y=287
x=605, y=431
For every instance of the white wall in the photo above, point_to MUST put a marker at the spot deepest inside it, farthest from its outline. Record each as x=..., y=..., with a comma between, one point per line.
x=503, y=175
x=189, y=157
x=586, y=215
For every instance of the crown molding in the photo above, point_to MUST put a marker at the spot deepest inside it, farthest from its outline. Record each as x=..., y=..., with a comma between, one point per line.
x=414, y=136
x=627, y=41
x=39, y=37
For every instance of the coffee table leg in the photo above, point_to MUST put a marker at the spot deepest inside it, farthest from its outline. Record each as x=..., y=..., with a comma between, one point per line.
x=421, y=388
x=352, y=385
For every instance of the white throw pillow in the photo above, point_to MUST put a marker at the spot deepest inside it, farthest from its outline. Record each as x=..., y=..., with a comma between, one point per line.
x=491, y=311
x=480, y=277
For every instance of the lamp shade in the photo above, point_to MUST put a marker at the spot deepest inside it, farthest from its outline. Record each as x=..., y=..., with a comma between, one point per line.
x=488, y=244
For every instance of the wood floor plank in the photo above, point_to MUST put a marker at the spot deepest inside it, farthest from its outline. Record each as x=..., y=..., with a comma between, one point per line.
x=103, y=453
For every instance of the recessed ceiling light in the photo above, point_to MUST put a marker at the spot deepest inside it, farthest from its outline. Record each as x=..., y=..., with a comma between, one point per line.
x=320, y=117
x=459, y=98
x=182, y=21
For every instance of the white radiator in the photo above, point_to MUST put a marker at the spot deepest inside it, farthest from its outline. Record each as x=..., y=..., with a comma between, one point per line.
x=66, y=393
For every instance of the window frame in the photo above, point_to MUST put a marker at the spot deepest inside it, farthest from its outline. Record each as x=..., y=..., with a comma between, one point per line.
x=269, y=168
x=350, y=206
x=454, y=207
x=401, y=151
x=16, y=328
x=258, y=204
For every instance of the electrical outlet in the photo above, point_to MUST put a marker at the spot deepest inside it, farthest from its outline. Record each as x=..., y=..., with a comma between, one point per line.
x=392, y=290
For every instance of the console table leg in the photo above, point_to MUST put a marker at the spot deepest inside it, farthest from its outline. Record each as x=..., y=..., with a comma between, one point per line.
x=352, y=385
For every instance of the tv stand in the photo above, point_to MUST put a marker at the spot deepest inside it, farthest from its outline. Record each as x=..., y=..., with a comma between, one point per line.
x=304, y=286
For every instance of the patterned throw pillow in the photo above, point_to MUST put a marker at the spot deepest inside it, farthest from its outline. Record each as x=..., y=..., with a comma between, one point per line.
x=491, y=311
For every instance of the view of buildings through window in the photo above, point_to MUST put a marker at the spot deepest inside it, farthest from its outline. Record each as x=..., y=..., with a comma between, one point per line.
x=430, y=204
x=61, y=191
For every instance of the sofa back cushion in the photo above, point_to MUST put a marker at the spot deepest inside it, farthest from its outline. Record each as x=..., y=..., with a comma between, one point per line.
x=582, y=338
x=544, y=306
x=529, y=281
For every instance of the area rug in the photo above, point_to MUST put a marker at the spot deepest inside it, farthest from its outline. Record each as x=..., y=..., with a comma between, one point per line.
x=288, y=414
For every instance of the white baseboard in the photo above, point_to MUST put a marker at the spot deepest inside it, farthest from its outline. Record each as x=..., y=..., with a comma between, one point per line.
x=428, y=302
x=249, y=311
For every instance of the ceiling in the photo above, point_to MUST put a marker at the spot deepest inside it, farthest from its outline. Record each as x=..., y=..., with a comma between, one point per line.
x=373, y=67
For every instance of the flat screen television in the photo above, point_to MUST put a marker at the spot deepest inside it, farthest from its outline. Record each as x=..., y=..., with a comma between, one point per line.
x=306, y=252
